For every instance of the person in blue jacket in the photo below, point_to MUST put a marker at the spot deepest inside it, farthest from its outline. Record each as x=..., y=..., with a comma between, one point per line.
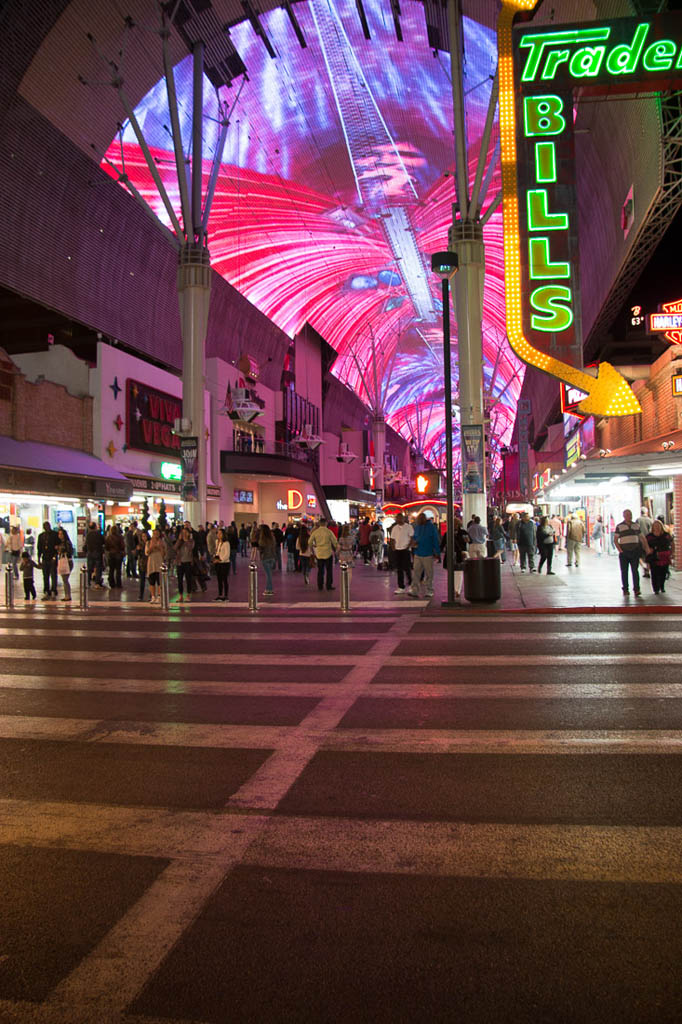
x=426, y=547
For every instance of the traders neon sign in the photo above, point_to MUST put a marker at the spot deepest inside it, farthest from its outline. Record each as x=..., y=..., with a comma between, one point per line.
x=604, y=54
x=540, y=215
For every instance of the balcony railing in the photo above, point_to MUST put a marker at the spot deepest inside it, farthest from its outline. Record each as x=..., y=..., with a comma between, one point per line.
x=285, y=449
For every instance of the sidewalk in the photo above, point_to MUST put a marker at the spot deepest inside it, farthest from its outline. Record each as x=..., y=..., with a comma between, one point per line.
x=595, y=585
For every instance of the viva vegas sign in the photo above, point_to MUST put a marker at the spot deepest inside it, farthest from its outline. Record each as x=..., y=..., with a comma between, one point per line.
x=539, y=69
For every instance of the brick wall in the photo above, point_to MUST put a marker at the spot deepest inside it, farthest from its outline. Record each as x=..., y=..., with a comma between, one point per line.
x=43, y=411
x=661, y=410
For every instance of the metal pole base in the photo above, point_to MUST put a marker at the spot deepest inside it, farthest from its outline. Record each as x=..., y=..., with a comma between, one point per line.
x=9, y=586
x=253, y=588
x=83, y=589
x=345, y=587
x=165, y=593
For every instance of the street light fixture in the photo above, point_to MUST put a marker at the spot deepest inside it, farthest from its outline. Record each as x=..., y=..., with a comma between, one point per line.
x=445, y=265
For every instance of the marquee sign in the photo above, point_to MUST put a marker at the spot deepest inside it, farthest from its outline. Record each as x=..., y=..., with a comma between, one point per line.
x=150, y=415
x=539, y=69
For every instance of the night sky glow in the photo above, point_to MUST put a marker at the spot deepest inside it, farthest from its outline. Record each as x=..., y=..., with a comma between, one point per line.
x=336, y=185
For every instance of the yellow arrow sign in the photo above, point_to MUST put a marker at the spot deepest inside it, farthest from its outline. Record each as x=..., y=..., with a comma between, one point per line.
x=607, y=394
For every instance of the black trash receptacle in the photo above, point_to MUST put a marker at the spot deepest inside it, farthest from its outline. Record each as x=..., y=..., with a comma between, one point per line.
x=482, y=579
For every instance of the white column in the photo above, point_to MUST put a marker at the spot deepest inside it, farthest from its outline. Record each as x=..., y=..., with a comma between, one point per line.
x=194, y=290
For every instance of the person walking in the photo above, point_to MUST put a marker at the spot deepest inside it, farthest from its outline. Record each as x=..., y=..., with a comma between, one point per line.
x=304, y=551
x=114, y=545
x=47, y=559
x=184, y=557
x=558, y=527
x=401, y=534
x=267, y=547
x=324, y=544
x=575, y=534
x=155, y=554
x=514, y=537
x=232, y=536
x=141, y=561
x=27, y=565
x=460, y=544
x=376, y=543
x=279, y=539
x=629, y=543
x=426, y=547
x=243, y=538
x=221, y=563
x=499, y=539
x=479, y=535
x=660, y=555
x=645, y=522
x=131, y=539
x=64, y=552
x=16, y=546
x=527, y=542
x=345, y=548
x=364, y=531
x=598, y=536
x=546, y=539
x=290, y=537
x=94, y=553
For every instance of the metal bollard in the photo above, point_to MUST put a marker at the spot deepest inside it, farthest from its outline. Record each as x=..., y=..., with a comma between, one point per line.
x=253, y=587
x=9, y=586
x=165, y=592
x=83, y=591
x=345, y=587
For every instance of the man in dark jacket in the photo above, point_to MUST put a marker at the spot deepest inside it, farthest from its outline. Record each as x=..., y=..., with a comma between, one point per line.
x=527, y=542
x=94, y=552
x=47, y=559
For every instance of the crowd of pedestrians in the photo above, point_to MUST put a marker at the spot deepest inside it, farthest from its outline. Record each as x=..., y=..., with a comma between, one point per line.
x=410, y=549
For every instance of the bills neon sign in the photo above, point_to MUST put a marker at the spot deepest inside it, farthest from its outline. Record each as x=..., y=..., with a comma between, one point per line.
x=539, y=68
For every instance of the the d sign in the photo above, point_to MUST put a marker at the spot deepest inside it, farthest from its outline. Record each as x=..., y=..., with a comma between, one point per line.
x=294, y=500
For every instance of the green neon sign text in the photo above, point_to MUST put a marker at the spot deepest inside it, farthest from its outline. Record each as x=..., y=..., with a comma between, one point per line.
x=541, y=265
x=542, y=115
x=545, y=162
x=555, y=301
x=543, y=41
x=579, y=54
x=539, y=217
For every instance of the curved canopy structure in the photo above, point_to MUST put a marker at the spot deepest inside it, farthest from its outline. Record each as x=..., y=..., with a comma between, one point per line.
x=335, y=186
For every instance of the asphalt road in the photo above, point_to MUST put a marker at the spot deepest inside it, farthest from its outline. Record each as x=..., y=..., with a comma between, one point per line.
x=394, y=815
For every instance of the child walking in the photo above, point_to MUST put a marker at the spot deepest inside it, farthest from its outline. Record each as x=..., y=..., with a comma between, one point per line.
x=27, y=565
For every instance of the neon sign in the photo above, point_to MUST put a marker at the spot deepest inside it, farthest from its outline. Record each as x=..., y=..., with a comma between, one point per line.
x=610, y=55
x=541, y=275
x=668, y=322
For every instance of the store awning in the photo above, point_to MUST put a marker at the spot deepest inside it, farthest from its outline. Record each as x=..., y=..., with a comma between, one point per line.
x=33, y=467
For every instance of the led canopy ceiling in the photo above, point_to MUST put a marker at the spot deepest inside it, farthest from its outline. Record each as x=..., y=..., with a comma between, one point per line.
x=337, y=184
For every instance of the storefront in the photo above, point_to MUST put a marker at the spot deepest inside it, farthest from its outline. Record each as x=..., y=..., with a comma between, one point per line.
x=48, y=483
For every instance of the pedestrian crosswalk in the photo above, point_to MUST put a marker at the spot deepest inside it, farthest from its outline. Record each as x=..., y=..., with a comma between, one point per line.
x=288, y=815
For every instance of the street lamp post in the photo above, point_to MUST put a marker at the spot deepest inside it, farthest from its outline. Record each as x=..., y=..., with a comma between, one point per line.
x=445, y=265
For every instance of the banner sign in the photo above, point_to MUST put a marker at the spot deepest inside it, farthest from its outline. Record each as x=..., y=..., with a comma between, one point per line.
x=474, y=468
x=150, y=415
x=189, y=452
x=524, y=414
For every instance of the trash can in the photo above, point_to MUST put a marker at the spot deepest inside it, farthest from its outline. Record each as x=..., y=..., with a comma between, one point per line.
x=482, y=579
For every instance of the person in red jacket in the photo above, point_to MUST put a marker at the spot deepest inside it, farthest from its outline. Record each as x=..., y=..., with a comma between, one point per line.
x=364, y=531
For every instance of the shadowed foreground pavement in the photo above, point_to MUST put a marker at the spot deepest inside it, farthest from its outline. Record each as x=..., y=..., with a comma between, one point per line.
x=400, y=814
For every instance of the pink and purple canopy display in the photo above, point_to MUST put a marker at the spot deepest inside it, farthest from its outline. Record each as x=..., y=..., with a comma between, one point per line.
x=336, y=184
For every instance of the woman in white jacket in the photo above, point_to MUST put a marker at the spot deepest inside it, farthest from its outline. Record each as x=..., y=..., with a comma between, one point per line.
x=221, y=564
